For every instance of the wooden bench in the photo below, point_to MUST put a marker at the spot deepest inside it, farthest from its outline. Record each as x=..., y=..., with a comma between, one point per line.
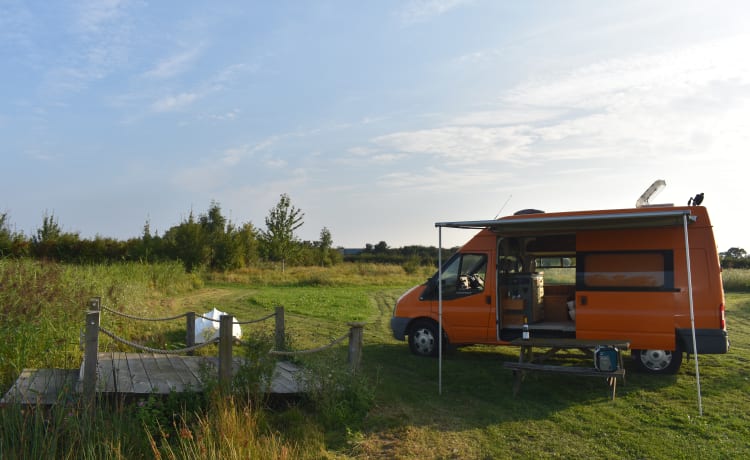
x=520, y=368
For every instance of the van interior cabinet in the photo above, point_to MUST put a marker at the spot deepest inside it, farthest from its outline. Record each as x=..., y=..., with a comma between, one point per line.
x=525, y=289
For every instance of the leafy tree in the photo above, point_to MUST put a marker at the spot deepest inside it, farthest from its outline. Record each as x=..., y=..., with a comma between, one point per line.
x=6, y=235
x=282, y=221
x=49, y=231
x=734, y=258
x=381, y=248
x=186, y=243
x=734, y=253
x=246, y=238
x=325, y=245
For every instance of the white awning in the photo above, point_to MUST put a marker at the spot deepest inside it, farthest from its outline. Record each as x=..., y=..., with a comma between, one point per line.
x=565, y=223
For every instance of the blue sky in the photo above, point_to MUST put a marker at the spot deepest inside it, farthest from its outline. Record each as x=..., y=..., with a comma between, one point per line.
x=378, y=118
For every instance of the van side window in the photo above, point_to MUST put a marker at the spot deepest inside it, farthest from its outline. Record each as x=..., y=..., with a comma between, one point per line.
x=625, y=271
x=463, y=275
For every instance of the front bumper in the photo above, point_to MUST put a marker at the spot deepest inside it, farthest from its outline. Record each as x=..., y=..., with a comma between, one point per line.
x=398, y=326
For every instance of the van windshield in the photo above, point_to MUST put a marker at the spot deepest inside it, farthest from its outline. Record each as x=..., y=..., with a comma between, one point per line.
x=462, y=275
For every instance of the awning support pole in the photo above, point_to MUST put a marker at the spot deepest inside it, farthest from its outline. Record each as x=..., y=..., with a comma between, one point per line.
x=440, y=310
x=692, y=314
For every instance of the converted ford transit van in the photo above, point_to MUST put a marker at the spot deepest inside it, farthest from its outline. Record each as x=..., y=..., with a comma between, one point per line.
x=606, y=274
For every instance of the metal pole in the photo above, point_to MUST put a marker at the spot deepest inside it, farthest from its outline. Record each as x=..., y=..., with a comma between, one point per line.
x=692, y=314
x=440, y=310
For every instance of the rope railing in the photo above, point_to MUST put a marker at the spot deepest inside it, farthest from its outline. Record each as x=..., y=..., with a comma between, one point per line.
x=140, y=318
x=225, y=342
x=312, y=350
x=138, y=346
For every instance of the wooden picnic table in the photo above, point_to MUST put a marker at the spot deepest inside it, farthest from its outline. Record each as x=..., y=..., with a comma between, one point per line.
x=528, y=361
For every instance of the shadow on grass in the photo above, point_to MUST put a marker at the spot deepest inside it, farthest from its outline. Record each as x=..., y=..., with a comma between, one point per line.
x=477, y=391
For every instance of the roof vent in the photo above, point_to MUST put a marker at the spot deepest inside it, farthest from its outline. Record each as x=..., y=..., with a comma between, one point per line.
x=524, y=212
x=651, y=192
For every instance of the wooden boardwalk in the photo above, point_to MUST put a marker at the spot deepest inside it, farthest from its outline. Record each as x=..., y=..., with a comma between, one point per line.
x=137, y=373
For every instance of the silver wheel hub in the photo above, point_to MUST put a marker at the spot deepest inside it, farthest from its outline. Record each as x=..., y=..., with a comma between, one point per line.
x=424, y=341
x=656, y=359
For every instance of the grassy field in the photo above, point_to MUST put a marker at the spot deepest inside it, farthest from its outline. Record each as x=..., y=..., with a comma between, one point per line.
x=392, y=409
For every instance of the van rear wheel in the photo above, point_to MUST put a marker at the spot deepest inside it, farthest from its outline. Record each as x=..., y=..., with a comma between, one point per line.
x=658, y=361
x=423, y=338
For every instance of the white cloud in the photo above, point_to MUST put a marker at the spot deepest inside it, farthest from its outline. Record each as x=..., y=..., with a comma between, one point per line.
x=275, y=163
x=660, y=107
x=174, y=65
x=434, y=179
x=174, y=103
x=465, y=143
x=95, y=15
x=422, y=10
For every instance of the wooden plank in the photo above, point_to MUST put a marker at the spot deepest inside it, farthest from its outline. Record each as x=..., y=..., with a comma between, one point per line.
x=188, y=381
x=160, y=375
x=105, y=374
x=42, y=386
x=141, y=383
x=196, y=365
x=285, y=379
x=569, y=343
x=575, y=370
x=123, y=379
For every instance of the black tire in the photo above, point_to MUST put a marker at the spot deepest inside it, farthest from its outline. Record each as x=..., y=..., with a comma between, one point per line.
x=659, y=362
x=423, y=338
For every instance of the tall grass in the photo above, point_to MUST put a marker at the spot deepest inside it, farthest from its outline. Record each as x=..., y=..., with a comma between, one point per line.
x=391, y=408
x=42, y=306
x=736, y=279
x=345, y=274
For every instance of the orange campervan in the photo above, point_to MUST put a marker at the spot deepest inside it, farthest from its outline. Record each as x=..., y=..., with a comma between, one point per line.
x=607, y=274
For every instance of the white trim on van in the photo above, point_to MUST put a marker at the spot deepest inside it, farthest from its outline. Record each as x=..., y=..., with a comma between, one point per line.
x=557, y=223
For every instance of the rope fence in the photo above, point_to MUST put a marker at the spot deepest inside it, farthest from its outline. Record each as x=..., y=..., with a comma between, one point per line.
x=140, y=318
x=138, y=346
x=225, y=341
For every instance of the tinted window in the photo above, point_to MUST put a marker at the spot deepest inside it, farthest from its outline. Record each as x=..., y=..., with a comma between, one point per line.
x=463, y=275
x=638, y=270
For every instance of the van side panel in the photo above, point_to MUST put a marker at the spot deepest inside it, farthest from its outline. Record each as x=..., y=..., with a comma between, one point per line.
x=650, y=315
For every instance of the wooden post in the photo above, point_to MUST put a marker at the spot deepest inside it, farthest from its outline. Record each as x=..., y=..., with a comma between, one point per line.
x=356, y=339
x=190, y=331
x=225, y=351
x=95, y=304
x=90, y=355
x=280, y=334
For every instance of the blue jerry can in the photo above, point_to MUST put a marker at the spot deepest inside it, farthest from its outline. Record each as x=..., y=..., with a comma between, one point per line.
x=605, y=358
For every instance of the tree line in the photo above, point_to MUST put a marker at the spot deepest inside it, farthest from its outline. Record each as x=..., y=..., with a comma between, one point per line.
x=211, y=241
x=734, y=258
x=207, y=240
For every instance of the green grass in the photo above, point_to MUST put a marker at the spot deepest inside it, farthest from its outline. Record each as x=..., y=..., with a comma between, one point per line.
x=392, y=409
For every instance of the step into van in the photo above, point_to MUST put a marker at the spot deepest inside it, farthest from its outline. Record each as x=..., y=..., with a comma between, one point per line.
x=606, y=274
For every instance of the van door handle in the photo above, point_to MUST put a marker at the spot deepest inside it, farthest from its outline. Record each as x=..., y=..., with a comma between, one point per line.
x=584, y=300
x=488, y=299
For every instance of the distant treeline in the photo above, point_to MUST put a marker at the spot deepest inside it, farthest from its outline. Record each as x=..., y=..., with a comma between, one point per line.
x=408, y=256
x=734, y=258
x=211, y=241
x=206, y=241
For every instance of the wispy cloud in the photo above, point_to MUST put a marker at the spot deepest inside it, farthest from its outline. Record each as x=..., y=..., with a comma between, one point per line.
x=174, y=103
x=470, y=144
x=174, y=65
x=98, y=42
x=422, y=10
x=662, y=104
